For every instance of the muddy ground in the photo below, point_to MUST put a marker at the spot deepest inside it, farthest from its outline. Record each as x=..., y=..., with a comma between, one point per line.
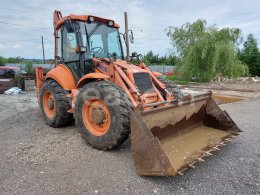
x=37, y=159
x=242, y=87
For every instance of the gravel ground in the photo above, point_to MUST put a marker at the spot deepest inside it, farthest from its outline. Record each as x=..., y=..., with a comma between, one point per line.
x=37, y=159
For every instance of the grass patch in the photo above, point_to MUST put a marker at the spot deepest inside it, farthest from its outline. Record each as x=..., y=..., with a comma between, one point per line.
x=177, y=80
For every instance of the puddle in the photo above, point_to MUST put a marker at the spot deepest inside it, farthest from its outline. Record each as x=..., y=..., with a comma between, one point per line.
x=220, y=99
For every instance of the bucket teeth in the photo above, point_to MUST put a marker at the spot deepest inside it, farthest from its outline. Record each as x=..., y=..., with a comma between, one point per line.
x=180, y=173
x=191, y=166
x=216, y=148
x=228, y=140
x=209, y=154
x=200, y=160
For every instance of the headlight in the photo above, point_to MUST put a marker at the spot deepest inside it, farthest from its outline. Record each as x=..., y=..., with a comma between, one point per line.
x=110, y=23
x=91, y=19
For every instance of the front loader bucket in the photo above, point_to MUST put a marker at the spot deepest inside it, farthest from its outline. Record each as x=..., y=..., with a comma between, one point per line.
x=167, y=140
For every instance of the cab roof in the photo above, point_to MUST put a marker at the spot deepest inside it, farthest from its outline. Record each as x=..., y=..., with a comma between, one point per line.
x=60, y=21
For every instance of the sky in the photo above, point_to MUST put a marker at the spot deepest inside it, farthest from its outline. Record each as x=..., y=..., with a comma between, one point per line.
x=23, y=22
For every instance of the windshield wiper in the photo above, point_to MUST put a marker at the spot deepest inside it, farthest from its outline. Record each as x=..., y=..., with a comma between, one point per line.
x=94, y=30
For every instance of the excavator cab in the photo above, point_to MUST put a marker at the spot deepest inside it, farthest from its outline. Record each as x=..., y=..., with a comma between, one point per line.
x=80, y=41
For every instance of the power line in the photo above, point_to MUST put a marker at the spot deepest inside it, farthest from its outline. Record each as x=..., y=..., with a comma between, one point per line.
x=151, y=39
x=30, y=26
x=22, y=29
x=19, y=41
x=20, y=11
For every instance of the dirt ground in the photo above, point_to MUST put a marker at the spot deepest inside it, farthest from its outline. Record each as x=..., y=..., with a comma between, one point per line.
x=38, y=159
x=242, y=87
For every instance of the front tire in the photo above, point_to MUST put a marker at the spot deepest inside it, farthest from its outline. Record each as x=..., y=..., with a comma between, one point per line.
x=102, y=114
x=54, y=104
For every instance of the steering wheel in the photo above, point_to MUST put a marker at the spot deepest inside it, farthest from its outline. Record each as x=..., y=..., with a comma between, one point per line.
x=99, y=49
x=73, y=57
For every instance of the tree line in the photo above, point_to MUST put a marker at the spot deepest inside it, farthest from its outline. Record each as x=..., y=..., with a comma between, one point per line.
x=20, y=60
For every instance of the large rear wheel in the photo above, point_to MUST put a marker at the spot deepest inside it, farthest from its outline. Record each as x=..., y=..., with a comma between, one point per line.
x=172, y=88
x=54, y=104
x=102, y=114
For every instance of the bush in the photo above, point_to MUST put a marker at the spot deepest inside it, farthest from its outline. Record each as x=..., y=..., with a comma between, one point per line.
x=29, y=68
x=19, y=80
x=177, y=80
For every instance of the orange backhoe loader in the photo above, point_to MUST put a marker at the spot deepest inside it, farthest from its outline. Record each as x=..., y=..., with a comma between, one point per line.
x=110, y=98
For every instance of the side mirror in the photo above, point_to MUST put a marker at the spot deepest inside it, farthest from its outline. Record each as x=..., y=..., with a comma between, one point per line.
x=134, y=55
x=131, y=36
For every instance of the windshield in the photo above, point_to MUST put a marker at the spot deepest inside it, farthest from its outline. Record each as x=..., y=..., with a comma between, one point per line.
x=103, y=40
x=98, y=38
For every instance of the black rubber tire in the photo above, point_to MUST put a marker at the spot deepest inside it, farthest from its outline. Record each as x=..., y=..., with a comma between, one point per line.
x=62, y=117
x=119, y=129
x=173, y=88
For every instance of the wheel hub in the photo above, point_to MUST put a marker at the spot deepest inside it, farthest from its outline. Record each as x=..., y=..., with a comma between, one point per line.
x=98, y=115
x=50, y=103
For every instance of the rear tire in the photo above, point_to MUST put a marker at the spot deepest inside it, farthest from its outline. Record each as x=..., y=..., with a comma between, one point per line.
x=114, y=106
x=54, y=104
x=172, y=88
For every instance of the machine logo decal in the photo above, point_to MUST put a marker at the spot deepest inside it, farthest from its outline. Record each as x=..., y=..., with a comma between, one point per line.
x=102, y=68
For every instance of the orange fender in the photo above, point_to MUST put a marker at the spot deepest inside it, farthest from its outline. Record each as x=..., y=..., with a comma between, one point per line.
x=91, y=77
x=63, y=76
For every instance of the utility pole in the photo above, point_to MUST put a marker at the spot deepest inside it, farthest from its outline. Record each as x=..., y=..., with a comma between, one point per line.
x=126, y=37
x=43, y=51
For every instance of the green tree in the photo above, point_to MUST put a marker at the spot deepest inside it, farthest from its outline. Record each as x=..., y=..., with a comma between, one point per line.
x=205, y=52
x=14, y=60
x=154, y=59
x=250, y=55
x=2, y=61
x=151, y=58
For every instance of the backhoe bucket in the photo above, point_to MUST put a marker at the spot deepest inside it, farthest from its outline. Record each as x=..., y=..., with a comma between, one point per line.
x=167, y=140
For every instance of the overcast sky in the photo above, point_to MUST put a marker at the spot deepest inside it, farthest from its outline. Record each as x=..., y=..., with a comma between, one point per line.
x=148, y=19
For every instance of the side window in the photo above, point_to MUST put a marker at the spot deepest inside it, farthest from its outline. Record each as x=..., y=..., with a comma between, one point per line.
x=69, y=46
x=96, y=41
x=113, y=46
x=72, y=40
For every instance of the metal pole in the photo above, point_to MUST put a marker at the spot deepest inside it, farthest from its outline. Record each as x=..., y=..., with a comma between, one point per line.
x=43, y=51
x=126, y=37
